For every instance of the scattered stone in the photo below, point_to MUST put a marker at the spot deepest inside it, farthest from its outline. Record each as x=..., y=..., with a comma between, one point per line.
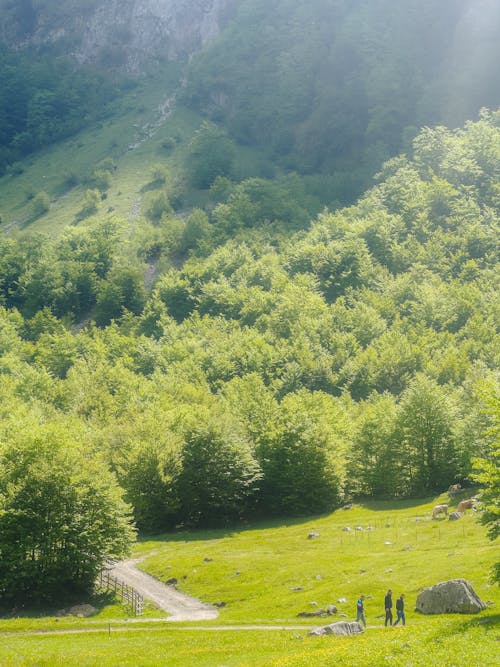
x=342, y=600
x=80, y=610
x=313, y=534
x=454, y=516
x=387, y=543
x=359, y=528
x=297, y=588
x=331, y=609
x=208, y=560
x=389, y=570
x=362, y=571
x=348, y=506
x=408, y=547
x=312, y=614
x=220, y=605
x=172, y=582
x=369, y=528
x=449, y=597
x=343, y=615
x=319, y=577
x=342, y=628
x=346, y=528
x=313, y=604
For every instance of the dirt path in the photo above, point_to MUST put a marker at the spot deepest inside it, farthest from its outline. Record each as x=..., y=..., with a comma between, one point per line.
x=180, y=606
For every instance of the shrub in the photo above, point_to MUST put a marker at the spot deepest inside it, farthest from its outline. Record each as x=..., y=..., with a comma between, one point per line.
x=41, y=204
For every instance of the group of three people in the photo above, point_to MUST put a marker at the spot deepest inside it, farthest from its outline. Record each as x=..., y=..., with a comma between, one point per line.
x=400, y=608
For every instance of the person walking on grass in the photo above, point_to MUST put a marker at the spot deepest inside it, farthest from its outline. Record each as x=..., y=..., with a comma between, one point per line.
x=388, y=607
x=360, y=610
x=400, y=608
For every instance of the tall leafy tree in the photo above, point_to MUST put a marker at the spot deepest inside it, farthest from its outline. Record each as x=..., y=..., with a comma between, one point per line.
x=425, y=430
x=219, y=476
x=61, y=517
x=487, y=473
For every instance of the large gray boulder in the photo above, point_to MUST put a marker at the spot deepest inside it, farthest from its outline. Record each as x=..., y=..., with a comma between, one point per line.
x=341, y=628
x=449, y=597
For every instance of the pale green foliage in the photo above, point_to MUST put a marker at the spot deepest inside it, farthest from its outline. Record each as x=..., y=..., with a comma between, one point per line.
x=40, y=204
x=424, y=428
x=302, y=457
x=61, y=518
x=159, y=173
x=92, y=201
x=220, y=475
x=487, y=474
x=211, y=154
x=159, y=205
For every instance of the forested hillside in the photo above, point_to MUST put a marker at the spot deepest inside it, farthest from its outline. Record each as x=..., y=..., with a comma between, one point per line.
x=46, y=100
x=210, y=307
x=336, y=87
x=269, y=372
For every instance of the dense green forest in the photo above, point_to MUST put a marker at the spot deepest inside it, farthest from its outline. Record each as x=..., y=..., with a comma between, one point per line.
x=270, y=373
x=46, y=99
x=336, y=87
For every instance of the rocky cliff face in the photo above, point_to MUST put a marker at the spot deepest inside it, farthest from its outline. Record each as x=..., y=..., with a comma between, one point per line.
x=121, y=33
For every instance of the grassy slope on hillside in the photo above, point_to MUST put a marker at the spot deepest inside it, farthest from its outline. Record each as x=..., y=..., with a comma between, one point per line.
x=79, y=156
x=271, y=561
x=133, y=137
x=254, y=571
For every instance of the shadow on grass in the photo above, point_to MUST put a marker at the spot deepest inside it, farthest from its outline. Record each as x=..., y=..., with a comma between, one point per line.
x=399, y=504
x=486, y=621
x=153, y=185
x=97, y=600
x=206, y=534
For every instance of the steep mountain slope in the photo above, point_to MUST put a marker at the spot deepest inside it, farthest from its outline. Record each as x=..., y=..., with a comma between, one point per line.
x=326, y=88
x=126, y=33
x=336, y=87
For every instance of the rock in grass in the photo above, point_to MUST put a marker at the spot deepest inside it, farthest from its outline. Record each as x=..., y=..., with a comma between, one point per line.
x=449, y=597
x=341, y=628
x=312, y=614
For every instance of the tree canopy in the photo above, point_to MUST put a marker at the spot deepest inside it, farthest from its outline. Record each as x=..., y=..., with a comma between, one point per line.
x=274, y=366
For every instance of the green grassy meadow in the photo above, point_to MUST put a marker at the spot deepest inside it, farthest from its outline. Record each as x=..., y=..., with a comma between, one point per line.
x=133, y=135
x=78, y=156
x=268, y=573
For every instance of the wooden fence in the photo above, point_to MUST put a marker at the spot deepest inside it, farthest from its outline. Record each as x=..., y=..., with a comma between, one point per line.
x=128, y=595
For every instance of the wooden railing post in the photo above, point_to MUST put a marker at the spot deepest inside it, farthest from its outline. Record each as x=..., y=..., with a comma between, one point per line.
x=127, y=594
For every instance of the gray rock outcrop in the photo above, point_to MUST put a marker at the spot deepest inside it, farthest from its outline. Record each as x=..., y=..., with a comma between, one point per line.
x=342, y=628
x=123, y=33
x=449, y=597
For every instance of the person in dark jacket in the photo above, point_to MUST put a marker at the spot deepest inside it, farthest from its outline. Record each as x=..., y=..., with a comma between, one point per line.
x=400, y=608
x=388, y=607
